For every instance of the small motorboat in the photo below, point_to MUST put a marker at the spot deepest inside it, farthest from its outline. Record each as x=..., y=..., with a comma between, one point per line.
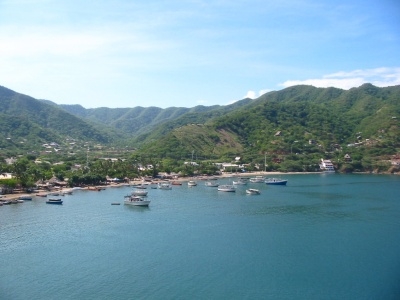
x=252, y=192
x=211, y=184
x=164, y=186
x=226, y=188
x=24, y=198
x=54, y=201
x=192, y=183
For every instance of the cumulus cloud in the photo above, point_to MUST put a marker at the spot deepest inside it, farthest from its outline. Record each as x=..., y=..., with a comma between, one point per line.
x=253, y=94
x=345, y=80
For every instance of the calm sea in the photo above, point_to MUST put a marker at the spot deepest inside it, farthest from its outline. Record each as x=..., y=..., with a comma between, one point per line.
x=320, y=237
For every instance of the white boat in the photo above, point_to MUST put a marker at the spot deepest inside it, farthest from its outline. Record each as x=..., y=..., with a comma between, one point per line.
x=211, y=184
x=136, y=201
x=239, y=182
x=252, y=192
x=139, y=193
x=164, y=186
x=326, y=166
x=275, y=181
x=192, y=183
x=257, y=179
x=227, y=188
x=25, y=198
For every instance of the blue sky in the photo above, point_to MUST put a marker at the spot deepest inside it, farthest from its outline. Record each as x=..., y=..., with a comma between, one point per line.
x=185, y=53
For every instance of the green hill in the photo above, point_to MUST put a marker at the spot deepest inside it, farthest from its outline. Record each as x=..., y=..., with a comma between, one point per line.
x=30, y=122
x=304, y=119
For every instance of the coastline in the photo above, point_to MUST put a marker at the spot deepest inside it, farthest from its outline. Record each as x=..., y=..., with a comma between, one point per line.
x=45, y=193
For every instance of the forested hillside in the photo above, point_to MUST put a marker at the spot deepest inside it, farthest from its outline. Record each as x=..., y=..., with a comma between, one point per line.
x=300, y=123
x=302, y=119
x=27, y=122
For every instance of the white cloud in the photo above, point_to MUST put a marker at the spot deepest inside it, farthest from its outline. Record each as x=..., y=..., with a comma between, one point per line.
x=345, y=80
x=250, y=94
x=253, y=94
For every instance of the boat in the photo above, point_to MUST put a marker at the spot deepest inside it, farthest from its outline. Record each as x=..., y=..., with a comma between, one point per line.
x=136, y=201
x=257, y=179
x=164, y=186
x=41, y=195
x=211, y=184
x=276, y=181
x=252, y=192
x=54, y=201
x=326, y=166
x=176, y=183
x=227, y=188
x=139, y=193
x=192, y=183
x=25, y=198
x=239, y=182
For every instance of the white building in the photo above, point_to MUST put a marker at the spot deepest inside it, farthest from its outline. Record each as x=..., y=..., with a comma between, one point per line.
x=326, y=165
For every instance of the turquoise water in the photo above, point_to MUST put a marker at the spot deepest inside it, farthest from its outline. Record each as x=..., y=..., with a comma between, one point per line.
x=320, y=237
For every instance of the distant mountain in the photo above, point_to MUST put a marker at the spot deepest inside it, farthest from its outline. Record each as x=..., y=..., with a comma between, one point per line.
x=315, y=120
x=141, y=120
x=27, y=121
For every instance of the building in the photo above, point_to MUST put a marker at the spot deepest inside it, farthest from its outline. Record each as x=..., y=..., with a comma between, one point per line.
x=326, y=165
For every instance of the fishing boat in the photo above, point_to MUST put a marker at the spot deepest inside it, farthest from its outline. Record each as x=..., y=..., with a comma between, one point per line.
x=227, y=188
x=54, y=201
x=276, y=181
x=136, y=201
x=252, y=192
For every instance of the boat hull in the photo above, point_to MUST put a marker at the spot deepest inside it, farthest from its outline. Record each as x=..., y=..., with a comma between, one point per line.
x=226, y=188
x=276, y=182
x=54, y=202
x=137, y=202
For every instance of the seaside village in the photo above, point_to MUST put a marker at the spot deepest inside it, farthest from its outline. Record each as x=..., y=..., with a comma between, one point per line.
x=55, y=187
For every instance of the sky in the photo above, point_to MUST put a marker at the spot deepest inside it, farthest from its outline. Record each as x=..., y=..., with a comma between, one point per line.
x=184, y=53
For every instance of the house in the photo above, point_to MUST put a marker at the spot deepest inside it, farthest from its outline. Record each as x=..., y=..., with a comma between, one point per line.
x=278, y=133
x=347, y=158
x=326, y=165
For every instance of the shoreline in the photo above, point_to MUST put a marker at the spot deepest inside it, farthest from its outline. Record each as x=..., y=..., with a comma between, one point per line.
x=45, y=193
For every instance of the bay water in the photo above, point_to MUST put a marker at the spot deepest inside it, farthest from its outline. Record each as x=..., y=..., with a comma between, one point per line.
x=323, y=236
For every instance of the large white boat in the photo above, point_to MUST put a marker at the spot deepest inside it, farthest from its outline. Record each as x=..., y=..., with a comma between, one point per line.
x=227, y=188
x=136, y=201
x=326, y=166
x=257, y=179
x=192, y=183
